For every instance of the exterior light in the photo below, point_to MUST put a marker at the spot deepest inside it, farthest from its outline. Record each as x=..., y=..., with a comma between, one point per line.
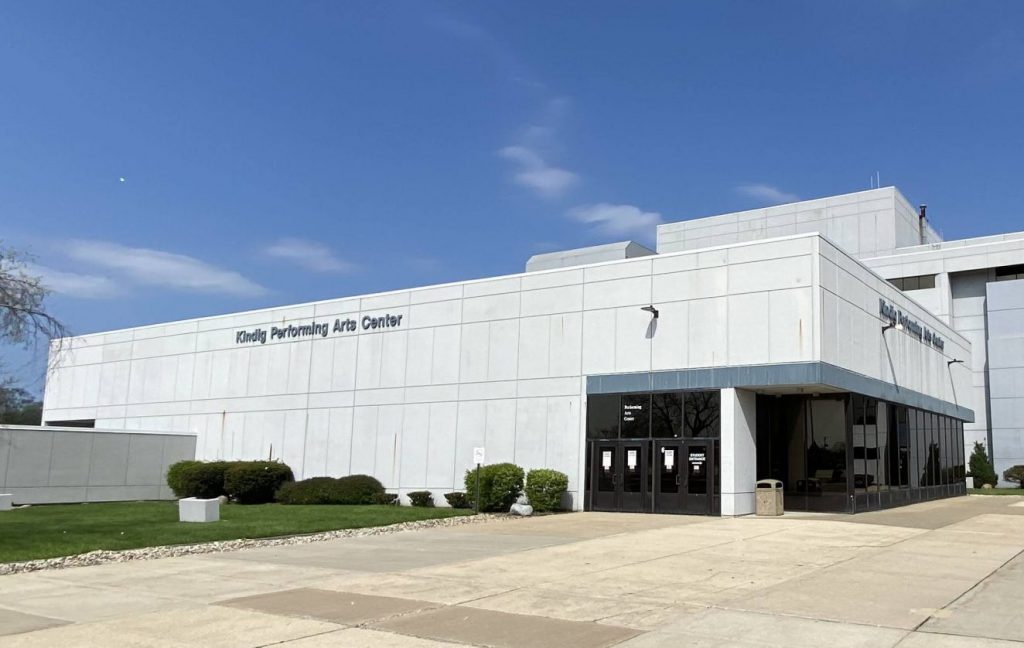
x=952, y=362
x=650, y=309
x=887, y=327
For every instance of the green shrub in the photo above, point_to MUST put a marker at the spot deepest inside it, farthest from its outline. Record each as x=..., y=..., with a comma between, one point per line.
x=256, y=482
x=359, y=489
x=387, y=499
x=315, y=490
x=981, y=467
x=457, y=500
x=500, y=485
x=1015, y=474
x=177, y=476
x=421, y=498
x=544, y=488
x=202, y=479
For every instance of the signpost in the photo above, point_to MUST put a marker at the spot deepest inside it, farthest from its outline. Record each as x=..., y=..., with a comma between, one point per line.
x=478, y=459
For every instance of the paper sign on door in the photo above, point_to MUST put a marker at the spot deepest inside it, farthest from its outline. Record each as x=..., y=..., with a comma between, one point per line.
x=606, y=459
x=631, y=459
x=670, y=458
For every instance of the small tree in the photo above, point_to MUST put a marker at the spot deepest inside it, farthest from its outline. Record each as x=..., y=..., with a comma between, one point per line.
x=981, y=467
x=1015, y=474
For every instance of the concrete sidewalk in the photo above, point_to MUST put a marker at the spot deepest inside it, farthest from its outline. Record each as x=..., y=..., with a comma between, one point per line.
x=945, y=573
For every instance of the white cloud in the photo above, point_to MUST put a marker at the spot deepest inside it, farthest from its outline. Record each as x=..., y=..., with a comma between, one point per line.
x=158, y=268
x=767, y=194
x=310, y=255
x=617, y=220
x=73, y=284
x=536, y=174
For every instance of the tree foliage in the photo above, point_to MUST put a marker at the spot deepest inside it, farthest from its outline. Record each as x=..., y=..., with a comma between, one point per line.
x=17, y=406
x=981, y=466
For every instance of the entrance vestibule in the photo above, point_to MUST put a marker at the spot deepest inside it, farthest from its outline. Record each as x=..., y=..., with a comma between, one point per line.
x=654, y=452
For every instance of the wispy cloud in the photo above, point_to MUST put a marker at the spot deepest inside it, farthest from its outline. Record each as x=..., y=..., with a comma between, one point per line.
x=310, y=255
x=74, y=284
x=617, y=220
x=536, y=174
x=767, y=194
x=149, y=267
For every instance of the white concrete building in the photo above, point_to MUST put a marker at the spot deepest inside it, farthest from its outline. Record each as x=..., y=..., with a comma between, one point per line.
x=759, y=344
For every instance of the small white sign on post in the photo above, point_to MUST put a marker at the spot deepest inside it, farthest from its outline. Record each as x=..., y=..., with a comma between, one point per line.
x=478, y=456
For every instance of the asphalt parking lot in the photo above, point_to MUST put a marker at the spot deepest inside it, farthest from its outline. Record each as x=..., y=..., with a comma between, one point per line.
x=945, y=573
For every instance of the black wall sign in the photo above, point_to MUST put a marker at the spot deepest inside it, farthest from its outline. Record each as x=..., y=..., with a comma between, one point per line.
x=897, y=317
x=317, y=329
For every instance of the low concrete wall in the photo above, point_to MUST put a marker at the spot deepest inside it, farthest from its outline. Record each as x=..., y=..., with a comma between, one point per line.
x=46, y=465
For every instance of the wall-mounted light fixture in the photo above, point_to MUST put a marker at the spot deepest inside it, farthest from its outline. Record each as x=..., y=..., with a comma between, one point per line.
x=950, y=363
x=650, y=309
x=887, y=327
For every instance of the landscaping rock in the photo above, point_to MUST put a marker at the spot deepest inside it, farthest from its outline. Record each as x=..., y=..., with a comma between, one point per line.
x=522, y=507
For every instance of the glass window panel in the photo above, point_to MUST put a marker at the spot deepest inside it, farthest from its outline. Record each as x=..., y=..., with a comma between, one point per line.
x=859, y=443
x=636, y=416
x=934, y=462
x=927, y=281
x=703, y=413
x=826, y=454
x=947, y=448
x=667, y=415
x=602, y=417
x=902, y=446
x=910, y=283
x=920, y=448
x=963, y=449
x=882, y=472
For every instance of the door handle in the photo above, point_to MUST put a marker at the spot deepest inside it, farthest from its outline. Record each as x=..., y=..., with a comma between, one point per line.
x=679, y=479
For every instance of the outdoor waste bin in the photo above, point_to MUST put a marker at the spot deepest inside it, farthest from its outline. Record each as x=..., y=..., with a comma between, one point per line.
x=769, y=497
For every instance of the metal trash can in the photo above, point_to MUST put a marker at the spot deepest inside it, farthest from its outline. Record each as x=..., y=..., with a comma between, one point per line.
x=769, y=497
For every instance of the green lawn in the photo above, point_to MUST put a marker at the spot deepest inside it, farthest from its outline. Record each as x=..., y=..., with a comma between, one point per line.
x=66, y=529
x=996, y=491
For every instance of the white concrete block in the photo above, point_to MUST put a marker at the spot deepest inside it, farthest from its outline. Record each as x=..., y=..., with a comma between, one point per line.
x=6, y=501
x=193, y=509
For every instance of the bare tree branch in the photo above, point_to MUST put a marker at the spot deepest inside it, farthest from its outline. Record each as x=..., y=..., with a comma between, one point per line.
x=23, y=316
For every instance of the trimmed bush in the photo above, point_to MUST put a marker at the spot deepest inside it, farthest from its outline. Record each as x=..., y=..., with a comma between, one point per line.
x=981, y=467
x=544, y=488
x=353, y=489
x=457, y=500
x=1015, y=474
x=177, y=476
x=421, y=498
x=360, y=489
x=387, y=499
x=500, y=485
x=315, y=490
x=202, y=479
x=256, y=482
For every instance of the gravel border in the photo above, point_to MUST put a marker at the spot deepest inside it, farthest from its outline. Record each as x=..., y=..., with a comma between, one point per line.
x=103, y=557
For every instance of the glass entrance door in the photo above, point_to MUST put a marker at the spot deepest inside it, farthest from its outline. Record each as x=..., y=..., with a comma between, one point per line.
x=698, y=477
x=668, y=477
x=604, y=472
x=619, y=475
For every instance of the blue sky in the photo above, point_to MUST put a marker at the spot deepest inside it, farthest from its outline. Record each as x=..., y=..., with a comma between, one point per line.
x=273, y=153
